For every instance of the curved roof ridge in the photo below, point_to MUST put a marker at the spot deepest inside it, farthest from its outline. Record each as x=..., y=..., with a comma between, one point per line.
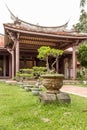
x=64, y=25
x=35, y=27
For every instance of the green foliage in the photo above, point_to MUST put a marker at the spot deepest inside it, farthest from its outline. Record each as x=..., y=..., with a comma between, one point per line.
x=37, y=71
x=27, y=71
x=80, y=76
x=56, y=52
x=26, y=74
x=82, y=54
x=81, y=26
x=0, y=69
x=82, y=3
x=44, y=52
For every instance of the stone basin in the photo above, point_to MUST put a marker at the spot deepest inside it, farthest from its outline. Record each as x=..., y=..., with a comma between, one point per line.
x=52, y=82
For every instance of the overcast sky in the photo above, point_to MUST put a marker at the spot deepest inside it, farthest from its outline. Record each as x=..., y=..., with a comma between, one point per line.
x=42, y=12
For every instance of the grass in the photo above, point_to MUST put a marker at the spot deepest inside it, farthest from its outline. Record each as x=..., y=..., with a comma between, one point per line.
x=20, y=110
x=82, y=85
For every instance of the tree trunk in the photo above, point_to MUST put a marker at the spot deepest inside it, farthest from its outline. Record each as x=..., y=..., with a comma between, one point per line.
x=54, y=63
x=47, y=64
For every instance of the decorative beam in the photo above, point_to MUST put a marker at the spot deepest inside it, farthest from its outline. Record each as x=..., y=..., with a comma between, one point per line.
x=37, y=43
x=34, y=38
x=14, y=37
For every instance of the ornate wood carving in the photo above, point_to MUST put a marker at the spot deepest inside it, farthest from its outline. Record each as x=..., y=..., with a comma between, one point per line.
x=14, y=37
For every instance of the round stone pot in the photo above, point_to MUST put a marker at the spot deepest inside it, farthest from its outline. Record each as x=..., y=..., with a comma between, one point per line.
x=52, y=82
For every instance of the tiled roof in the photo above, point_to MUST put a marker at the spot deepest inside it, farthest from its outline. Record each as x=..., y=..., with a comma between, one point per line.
x=45, y=30
x=20, y=25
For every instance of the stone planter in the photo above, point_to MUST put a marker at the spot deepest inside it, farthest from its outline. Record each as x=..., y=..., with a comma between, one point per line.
x=52, y=82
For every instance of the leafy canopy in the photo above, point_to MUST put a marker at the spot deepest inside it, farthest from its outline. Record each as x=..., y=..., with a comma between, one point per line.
x=82, y=3
x=82, y=54
x=44, y=52
x=56, y=52
x=81, y=26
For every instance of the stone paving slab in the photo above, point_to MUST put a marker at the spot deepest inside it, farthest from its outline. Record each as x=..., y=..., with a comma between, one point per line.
x=80, y=91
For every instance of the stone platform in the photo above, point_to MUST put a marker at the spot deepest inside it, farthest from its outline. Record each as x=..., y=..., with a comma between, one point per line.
x=60, y=97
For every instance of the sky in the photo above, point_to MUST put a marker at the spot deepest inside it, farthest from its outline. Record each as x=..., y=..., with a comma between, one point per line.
x=42, y=12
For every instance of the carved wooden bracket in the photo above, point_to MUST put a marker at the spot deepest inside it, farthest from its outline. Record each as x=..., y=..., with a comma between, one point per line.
x=14, y=37
x=9, y=50
x=76, y=43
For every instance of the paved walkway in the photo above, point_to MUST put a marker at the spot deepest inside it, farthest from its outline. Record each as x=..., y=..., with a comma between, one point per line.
x=80, y=91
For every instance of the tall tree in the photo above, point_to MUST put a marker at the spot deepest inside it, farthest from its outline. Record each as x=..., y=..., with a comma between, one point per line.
x=81, y=26
x=82, y=54
x=82, y=3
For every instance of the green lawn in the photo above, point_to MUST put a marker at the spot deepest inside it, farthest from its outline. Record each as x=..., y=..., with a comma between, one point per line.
x=20, y=110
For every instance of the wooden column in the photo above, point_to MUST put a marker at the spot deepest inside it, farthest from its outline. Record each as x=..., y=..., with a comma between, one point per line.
x=17, y=56
x=12, y=53
x=4, y=65
x=69, y=67
x=10, y=67
x=74, y=62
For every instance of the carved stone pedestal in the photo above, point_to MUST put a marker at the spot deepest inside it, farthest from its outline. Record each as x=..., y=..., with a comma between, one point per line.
x=60, y=97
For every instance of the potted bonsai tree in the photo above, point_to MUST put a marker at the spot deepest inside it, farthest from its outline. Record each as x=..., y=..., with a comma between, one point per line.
x=52, y=80
x=44, y=53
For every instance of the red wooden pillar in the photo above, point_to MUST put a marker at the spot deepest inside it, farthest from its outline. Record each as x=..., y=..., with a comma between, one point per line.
x=4, y=65
x=74, y=60
x=10, y=67
x=69, y=67
x=17, y=56
x=12, y=53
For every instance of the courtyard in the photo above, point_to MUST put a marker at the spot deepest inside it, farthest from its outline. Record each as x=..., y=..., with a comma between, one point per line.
x=20, y=110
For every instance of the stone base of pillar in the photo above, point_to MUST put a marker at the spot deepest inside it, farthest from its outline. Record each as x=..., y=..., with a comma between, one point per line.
x=60, y=97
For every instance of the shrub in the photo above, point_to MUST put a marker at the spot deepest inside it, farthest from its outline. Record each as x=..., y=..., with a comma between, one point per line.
x=37, y=71
x=26, y=74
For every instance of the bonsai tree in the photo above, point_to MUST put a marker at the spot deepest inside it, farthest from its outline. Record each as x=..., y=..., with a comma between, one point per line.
x=55, y=53
x=82, y=56
x=45, y=52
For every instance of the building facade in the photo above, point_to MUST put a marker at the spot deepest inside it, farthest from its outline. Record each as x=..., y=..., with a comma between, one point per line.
x=22, y=40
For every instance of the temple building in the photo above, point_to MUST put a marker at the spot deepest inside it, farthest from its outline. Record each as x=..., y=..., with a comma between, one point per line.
x=22, y=40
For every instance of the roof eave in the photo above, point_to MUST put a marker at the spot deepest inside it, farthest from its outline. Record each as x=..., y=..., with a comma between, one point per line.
x=80, y=37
